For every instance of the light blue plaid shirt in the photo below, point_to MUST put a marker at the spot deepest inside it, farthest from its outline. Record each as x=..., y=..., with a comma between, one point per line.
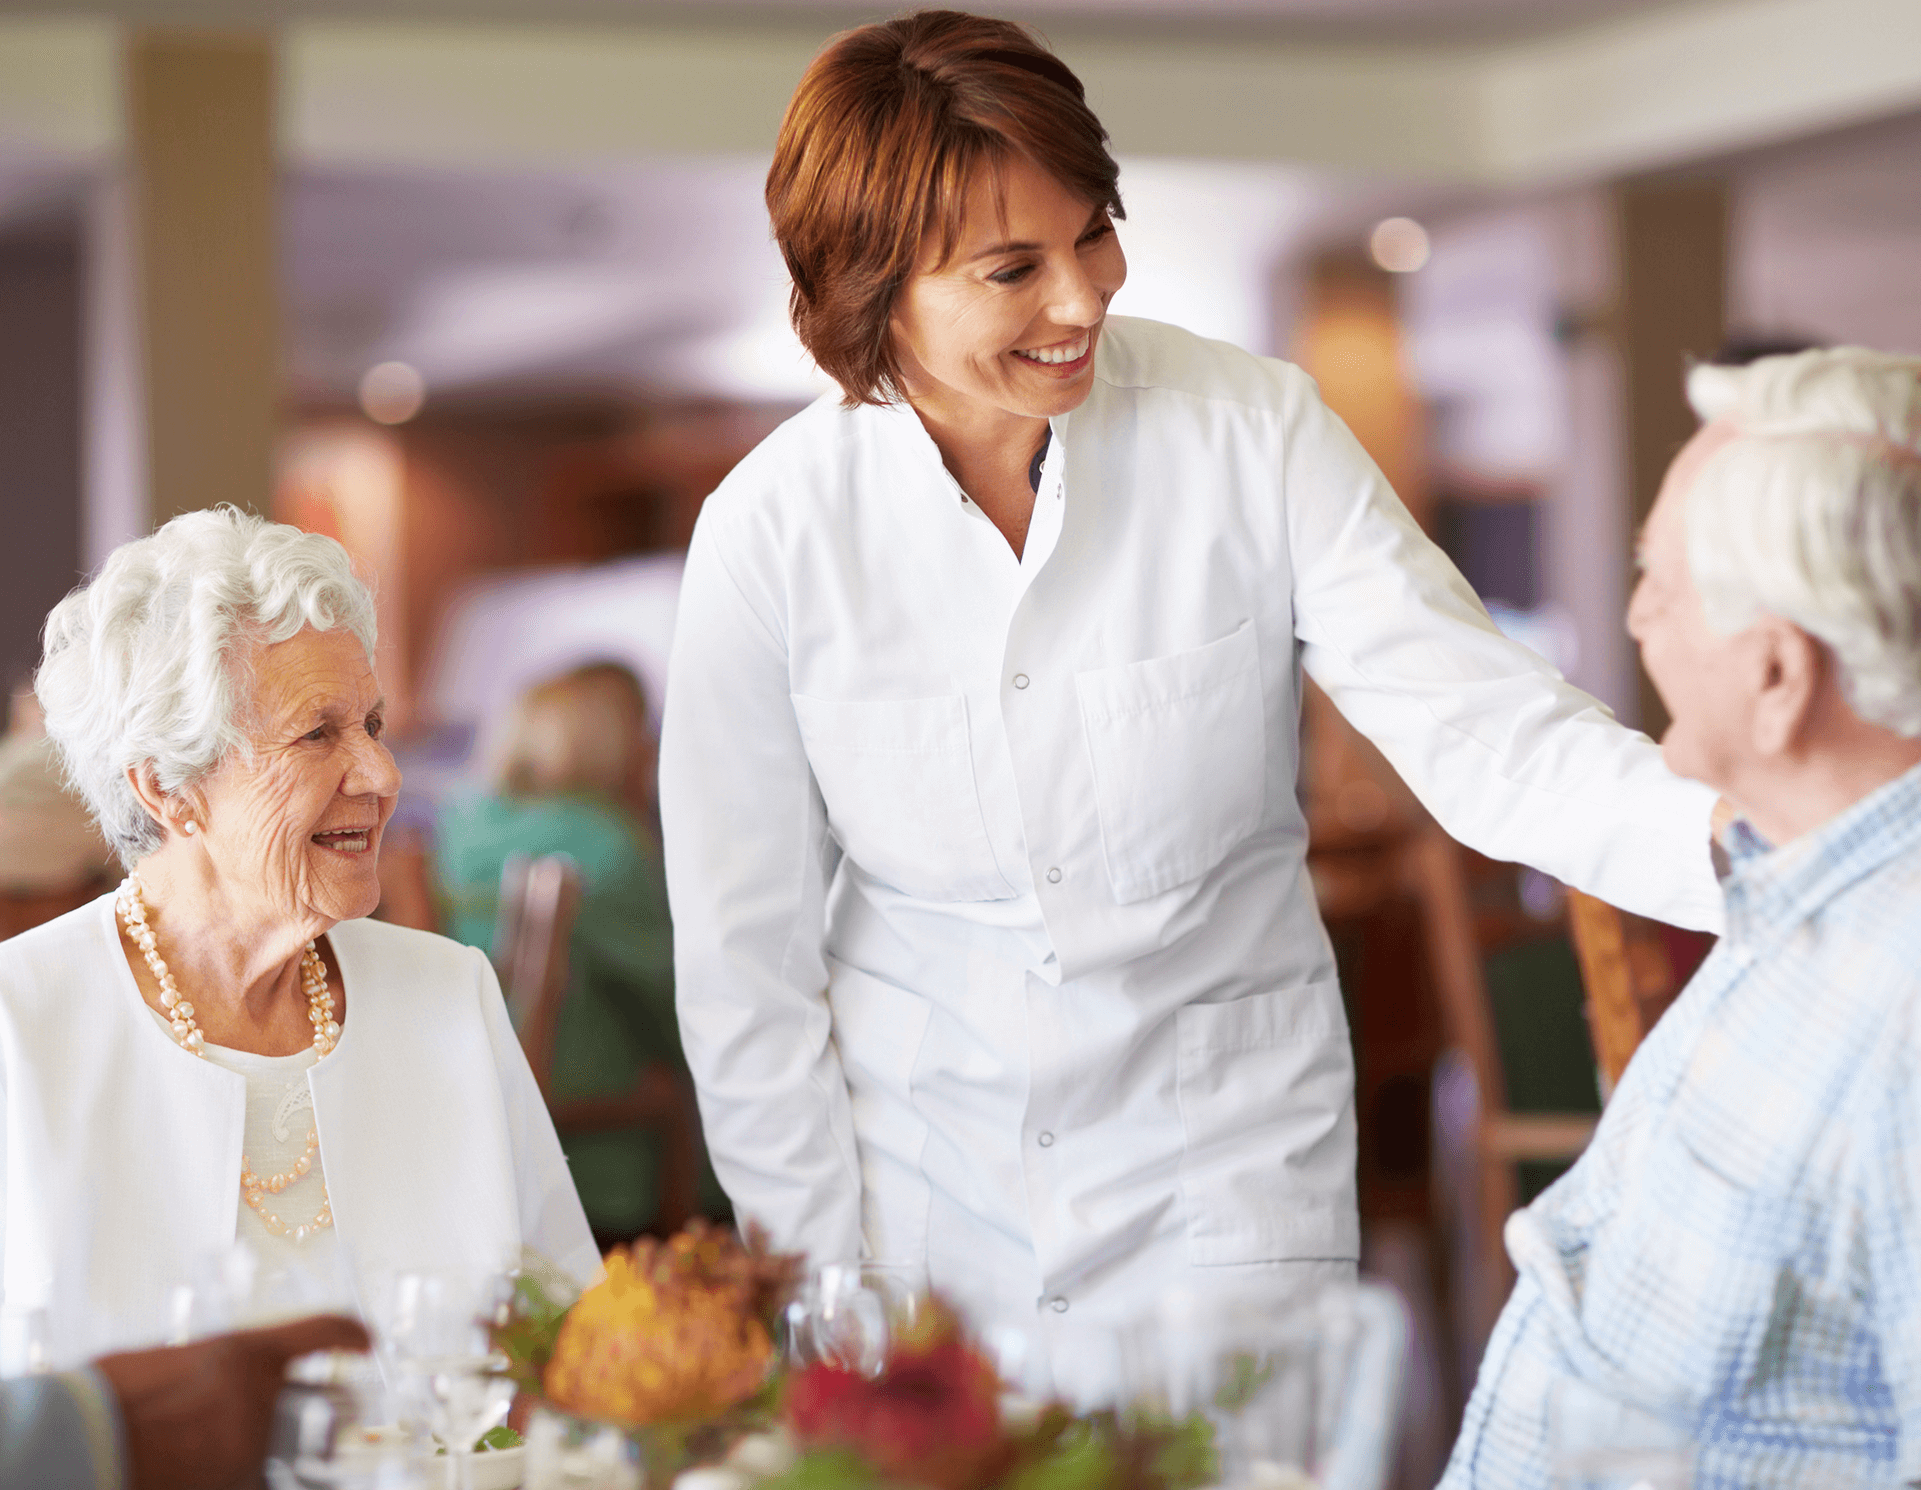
x=1740, y=1246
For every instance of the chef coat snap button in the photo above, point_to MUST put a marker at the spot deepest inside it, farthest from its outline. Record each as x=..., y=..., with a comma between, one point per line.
x=1047, y=1140
x=1053, y=876
x=1059, y=1306
x=1020, y=680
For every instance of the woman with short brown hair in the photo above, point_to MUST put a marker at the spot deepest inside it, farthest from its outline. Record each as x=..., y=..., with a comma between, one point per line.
x=996, y=947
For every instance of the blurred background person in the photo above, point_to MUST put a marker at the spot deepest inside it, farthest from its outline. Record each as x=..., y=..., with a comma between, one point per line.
x=52, y=857
x=577, y=777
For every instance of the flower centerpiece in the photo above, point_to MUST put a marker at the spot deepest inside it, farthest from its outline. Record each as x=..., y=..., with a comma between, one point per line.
x=677, y=1346
x=675, y=1343
x=933, y=1418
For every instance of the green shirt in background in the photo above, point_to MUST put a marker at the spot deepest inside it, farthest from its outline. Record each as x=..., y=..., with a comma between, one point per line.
x=619, y=1011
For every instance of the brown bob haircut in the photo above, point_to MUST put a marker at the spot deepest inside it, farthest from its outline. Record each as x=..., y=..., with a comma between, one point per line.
x=878, y=147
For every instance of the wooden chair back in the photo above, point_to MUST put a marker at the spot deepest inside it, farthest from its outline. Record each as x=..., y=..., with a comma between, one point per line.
x=539, y=901
x=1629, y=976
x=22, y=910
x=1486, y=1140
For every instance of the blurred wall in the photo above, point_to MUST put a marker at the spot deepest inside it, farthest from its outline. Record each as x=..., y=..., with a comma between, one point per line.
x=39, y=434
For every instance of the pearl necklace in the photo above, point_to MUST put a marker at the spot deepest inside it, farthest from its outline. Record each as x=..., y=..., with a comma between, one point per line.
x=131, y=903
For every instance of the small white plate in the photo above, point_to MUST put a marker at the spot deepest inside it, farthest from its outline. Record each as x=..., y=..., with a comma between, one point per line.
x=500, y=1469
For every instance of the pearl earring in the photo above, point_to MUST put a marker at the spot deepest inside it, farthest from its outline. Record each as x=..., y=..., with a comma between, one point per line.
x=190, y=827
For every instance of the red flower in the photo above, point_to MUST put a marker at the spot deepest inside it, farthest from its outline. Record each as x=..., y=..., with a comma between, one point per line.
x=932, y=1418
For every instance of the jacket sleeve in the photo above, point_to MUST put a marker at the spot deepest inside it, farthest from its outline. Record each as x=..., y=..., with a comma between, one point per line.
x=552, y=1222
x=61, y=1433
x=1509, y=757
x=749, y=859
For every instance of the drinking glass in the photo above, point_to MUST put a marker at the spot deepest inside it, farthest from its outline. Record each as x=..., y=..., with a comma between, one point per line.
x=331, y=1430
x=569, y=1453
x=1599, y=1441
x=1254, y=1368
x=1301, y=1389
x=849, y=1313
x=435, y=1336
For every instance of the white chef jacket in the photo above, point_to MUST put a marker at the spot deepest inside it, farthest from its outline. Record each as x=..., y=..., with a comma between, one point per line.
x=995, y=943
x=120, y=1152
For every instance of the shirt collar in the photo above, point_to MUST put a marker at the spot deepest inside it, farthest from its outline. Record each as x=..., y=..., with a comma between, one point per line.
x=1771, y=890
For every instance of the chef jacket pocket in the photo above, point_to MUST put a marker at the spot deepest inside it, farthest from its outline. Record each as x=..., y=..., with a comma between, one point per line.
x=1266, y=1087
x=898, y=779
x=1179, y=751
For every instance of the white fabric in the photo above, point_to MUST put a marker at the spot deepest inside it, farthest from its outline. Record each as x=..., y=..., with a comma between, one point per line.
x=273, y=1137
x=995, y=942
x=121, y=1151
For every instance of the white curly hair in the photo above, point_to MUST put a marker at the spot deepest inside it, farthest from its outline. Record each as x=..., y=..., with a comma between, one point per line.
x=1813, y=513
x=148, y=665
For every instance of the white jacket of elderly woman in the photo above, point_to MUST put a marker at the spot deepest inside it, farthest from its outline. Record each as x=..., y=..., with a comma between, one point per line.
x=225, y=1049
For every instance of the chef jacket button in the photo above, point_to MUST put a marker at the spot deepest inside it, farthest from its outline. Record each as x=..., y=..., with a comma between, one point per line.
x=1020, y=680
x=1046, y=1140
x=1053, y=876
x=1058, y=1305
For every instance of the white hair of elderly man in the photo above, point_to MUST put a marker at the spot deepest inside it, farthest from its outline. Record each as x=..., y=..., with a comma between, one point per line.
x=140, y=665
x=1813, y=514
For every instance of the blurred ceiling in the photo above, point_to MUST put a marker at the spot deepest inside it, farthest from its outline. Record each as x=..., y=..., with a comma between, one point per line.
x=553, y=198
x=659, y=278
x=1422, y=20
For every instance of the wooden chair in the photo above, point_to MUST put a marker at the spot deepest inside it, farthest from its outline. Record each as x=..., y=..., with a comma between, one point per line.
x=539, y=899
x=1630, y=975
x=1478, y=1140
x=22, y=910
x=406, y=882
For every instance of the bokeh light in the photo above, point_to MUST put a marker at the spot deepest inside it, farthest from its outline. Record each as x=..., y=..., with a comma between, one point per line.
x=1399, y=245
x=392, y=393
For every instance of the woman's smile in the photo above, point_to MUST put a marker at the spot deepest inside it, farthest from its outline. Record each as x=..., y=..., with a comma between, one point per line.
x=350, y=841
x=1065, y=359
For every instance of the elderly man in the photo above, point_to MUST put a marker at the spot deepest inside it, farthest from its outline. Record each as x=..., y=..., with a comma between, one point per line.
x=1740, y=1248
x=190, y=1417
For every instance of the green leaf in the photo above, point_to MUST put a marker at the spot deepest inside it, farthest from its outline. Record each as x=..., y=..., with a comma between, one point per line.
x=533, y=1325
x=826, y=1469
x=1078, y=1460
x=1247, y=1374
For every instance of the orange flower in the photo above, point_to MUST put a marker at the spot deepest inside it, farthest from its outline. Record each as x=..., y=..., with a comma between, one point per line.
x=659, y=1340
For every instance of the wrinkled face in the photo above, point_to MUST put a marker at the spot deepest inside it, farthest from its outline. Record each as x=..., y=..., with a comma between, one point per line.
x=1010, y=322
x=1706, y=680
x=295, y=831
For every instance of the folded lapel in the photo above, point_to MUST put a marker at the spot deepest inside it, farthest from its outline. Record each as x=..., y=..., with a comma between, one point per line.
x=413, y=1130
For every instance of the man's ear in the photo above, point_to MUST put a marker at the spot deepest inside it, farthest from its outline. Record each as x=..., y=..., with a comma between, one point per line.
x=1793, y=668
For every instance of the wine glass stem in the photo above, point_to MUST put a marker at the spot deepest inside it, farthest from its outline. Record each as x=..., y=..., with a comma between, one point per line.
x=460, y=1469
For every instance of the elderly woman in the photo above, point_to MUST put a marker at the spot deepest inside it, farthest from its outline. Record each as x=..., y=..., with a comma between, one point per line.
x=995, y=945
x=223, y=1047
x=577, y=778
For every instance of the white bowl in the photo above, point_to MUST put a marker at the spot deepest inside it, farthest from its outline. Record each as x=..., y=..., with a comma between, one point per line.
x=500, y=1469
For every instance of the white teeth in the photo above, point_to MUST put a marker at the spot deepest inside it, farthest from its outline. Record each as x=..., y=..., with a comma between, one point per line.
x=353, y=843
x=1056, y=355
